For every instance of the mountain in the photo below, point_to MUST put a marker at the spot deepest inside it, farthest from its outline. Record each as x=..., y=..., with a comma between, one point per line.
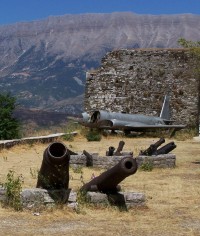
x=43, y=63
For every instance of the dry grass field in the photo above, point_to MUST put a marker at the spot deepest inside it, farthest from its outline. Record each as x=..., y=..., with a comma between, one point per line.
x=173, y=195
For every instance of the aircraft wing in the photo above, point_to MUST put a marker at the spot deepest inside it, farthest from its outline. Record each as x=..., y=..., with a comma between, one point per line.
x=134, y=126
x=141, y=125
x=150, y=128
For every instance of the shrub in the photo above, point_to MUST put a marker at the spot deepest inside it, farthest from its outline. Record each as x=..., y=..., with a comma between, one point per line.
x=77, y=169
x=146, y=166
x=13, y=187
x=93, y=135
x=185, y=134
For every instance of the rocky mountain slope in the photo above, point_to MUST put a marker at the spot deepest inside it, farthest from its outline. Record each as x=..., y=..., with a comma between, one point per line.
x=44, y=62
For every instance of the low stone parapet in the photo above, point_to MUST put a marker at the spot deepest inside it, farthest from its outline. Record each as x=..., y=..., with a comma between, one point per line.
x=31, y=198
x=78, y=160
x=43, y=139
x=160, y=161
x=124, y=200
x=35, y=198
x=105, y=162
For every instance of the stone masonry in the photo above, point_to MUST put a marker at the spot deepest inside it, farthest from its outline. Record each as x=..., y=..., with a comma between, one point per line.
x=136, y=80
x=35, y=198
x=106, y=162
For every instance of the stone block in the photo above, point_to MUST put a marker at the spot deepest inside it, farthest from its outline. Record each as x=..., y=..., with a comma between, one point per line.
x=124, y=200
x=160, y=161
x=32, y=198
x=36, y=197
x=106, y=162
x=2, y=194
x=96, y=198
x=79, y=160
x=72, y=197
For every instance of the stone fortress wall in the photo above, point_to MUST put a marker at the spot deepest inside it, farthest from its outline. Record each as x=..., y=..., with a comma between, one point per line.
x=136, y=80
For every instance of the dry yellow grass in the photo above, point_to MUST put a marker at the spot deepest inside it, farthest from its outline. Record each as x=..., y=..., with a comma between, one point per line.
x=173, y=195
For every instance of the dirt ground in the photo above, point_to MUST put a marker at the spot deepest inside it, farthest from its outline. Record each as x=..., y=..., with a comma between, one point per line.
x=172, y=195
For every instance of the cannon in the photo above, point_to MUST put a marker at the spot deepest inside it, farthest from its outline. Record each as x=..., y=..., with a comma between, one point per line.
x=110, y=151
x=166, y=149
x=108, y=181
x=89, y=158
x=119, y=149
x=54, y=171
x=151, y=150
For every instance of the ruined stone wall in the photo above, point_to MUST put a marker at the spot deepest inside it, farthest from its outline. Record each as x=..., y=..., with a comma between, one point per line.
x=135, y=81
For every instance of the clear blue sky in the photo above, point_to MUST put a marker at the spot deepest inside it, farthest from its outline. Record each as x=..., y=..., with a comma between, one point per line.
x=12, y=11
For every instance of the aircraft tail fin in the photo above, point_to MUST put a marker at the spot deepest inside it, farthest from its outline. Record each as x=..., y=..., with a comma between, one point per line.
x=165, y=112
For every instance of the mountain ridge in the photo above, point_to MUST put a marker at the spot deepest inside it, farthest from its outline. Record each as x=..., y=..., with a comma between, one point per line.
x=44, y=62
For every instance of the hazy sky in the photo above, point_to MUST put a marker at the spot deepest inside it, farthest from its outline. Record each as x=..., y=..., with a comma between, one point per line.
x=12, y=11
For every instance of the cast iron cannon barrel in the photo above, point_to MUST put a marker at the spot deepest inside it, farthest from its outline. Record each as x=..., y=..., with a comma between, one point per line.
x=110, y=151
x=89, y=158
x=54, y=171
x=119, y=149
x=108, y=181
x=151, y=150
x=166, y=149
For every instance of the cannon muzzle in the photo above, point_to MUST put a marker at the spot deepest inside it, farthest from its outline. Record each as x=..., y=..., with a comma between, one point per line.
x=151, y=150
x=166, y=149
x=110, y=151
x=108, y=181
x=54, y=171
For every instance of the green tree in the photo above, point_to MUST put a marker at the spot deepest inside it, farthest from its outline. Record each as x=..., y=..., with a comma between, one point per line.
x=9, y=126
